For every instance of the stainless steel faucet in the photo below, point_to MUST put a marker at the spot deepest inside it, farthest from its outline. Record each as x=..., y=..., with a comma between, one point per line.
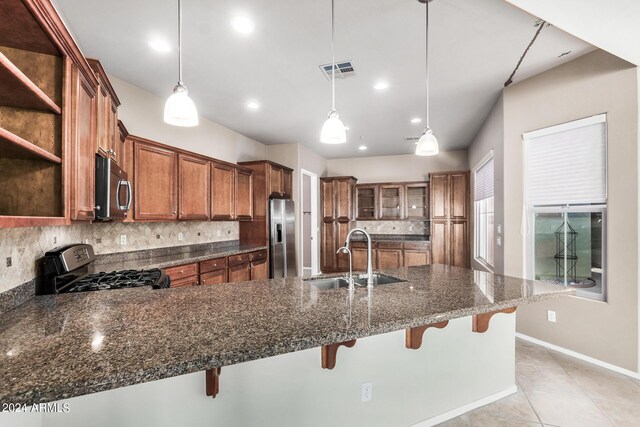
x=369, y=253
x=346, y=250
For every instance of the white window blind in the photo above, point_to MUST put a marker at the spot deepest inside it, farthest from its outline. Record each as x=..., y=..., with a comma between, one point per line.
x=567, y=164
x=484, y=181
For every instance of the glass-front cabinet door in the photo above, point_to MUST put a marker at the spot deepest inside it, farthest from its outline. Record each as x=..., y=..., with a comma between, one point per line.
x=392, y=202
x=367, y=202
x=417, y=201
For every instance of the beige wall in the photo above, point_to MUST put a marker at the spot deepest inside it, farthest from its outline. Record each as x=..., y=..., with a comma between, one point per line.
x=491, y=137
x=400, y=168
x=595, y=83
x=142, y=113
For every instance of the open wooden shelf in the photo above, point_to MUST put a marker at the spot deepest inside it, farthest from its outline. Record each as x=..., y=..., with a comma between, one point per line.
x=14, y=147
x=21, y=31
x=17, y=90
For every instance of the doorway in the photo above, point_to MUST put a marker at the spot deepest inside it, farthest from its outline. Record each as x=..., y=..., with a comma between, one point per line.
x=309, y=223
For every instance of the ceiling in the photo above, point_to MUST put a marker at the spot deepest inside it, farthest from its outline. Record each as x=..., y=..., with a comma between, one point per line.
x=474, y=46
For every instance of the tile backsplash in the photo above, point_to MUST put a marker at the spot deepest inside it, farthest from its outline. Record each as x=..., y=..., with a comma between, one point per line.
x=21, y=248
x=395, y=227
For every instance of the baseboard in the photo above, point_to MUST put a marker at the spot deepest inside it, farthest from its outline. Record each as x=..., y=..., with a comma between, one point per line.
x=580, y=356
x=466, y=408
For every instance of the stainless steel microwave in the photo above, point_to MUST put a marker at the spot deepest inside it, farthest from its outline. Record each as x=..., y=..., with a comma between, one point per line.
x=113, y=190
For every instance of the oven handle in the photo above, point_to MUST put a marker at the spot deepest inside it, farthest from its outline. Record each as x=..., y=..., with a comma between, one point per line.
x=128, y=185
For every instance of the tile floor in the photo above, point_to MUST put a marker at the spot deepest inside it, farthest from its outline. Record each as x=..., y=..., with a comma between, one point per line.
x=558, y=390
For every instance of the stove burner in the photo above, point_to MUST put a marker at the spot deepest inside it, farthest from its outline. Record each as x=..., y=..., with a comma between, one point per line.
x=120, y=279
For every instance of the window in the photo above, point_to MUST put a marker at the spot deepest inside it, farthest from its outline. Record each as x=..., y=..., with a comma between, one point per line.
x=484, y=235
x=566, y=205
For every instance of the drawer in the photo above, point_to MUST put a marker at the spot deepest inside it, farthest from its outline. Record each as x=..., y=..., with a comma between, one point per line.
x=181, y=271
x=389, y=245
x=258, y=255
x=417, y=246
x=185, y=281
x=213, y=264
x=238, y=259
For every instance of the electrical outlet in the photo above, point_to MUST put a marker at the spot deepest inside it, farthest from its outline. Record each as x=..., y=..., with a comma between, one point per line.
x=366, y=391
x=551, y=316
x=499, y=241
x=180, y=236
x=123, y=239
x=499, y=228
x=9, y=263
x=84, y=241
x=55, y=240
x=218, y=233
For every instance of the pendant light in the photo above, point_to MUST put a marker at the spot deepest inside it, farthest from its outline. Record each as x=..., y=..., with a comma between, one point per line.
x=179, y=110
x=333, y=131
x=427, y=144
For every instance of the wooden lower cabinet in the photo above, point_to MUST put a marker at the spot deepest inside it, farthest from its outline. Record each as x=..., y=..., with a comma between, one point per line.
x=240, y=272
x=215, y=277
x=459, y=243
x=359, y=256
x=183, y=275
x=414, y=258
x=439, y=242
x=389, y=259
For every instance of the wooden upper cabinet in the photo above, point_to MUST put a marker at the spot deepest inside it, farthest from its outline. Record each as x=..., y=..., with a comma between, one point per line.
x=327, y=200
x=155, y=182
x=194, y=181
x=222, y=191
x=244, y=194
x=344, y=192
x=459, y=189
x=392, y=201
x=275, y=181
x=82, y=149
x=107, y=134
x=417, y=201
x=439, y=196
x=287, y=183
x=366, y=202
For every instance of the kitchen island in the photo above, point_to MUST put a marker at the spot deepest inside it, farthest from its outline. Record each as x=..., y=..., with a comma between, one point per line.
x=60, y=346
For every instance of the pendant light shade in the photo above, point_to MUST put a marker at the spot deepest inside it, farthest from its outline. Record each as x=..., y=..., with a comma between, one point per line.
x=333, y=131
x=427, y=144
x=179, y=110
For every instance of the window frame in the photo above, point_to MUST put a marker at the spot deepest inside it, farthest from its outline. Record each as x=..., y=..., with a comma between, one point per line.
x=476, y=223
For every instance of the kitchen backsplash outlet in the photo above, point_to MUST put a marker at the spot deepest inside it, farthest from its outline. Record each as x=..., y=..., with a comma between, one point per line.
x=395, y=227
x=25, y=246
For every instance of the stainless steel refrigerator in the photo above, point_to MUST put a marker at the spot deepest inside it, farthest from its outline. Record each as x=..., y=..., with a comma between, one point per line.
x=282, y=242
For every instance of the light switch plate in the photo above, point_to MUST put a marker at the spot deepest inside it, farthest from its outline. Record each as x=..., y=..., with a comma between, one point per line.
x=499, y=241
x=180, y=236
x=551, y=316
x=499, y=228
x=123, y=239
x=366, y=391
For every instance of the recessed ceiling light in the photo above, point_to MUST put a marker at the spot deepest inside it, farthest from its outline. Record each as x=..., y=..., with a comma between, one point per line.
x=362, y=147
x=253, y=105
x=416, y=120
x=159, y=45
x=243, y=25
x=381, y=86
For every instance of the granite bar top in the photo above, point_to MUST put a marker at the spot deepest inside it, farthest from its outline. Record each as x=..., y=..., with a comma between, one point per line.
x=167, y=257
x=59, y=346
x=392, y=237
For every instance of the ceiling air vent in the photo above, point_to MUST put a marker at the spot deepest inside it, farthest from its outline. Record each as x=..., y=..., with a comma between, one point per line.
x=411, y=139
x=343, y=69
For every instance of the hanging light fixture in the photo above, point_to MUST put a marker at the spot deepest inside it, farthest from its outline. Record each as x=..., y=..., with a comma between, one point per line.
x=427, y=144
x=333, y=131
x=179, y=110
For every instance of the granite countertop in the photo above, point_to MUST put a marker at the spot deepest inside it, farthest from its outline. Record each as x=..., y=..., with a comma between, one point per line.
x=164, y=259
x=392, y=237
x=59, y=346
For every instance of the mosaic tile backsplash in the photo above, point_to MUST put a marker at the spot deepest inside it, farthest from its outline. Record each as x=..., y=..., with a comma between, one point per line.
x=395, y=227
x=21, y=248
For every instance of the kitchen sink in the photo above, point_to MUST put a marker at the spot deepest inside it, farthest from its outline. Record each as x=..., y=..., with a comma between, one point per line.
x=341, y=282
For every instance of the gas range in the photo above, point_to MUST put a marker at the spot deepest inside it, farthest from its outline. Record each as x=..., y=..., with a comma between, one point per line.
x=66, y=270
